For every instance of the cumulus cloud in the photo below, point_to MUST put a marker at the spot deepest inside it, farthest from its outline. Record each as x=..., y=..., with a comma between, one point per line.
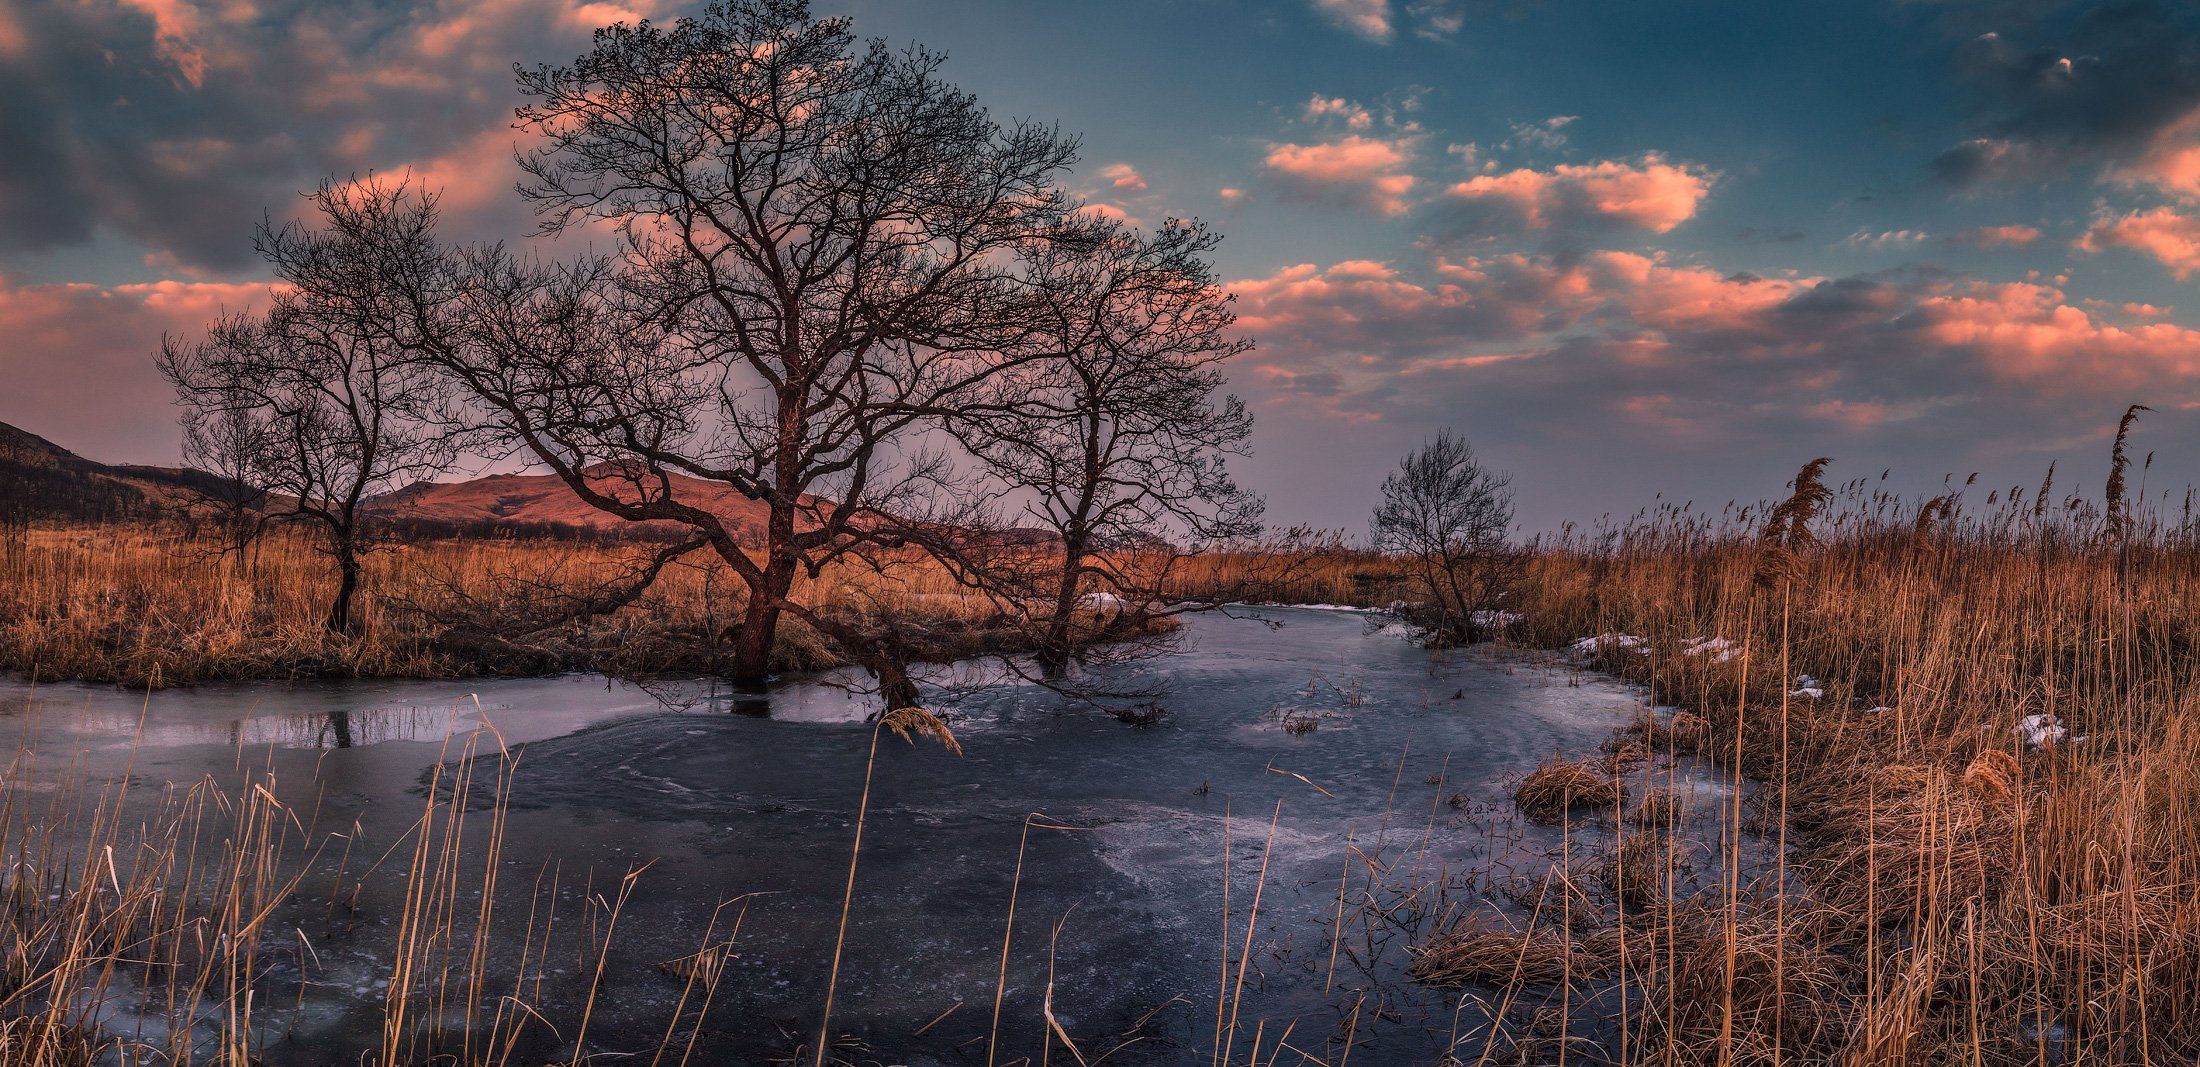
x=1336, y=107
x=2170, y=237
x=1369, y=172
x=1368, y=18
x=1545, y=135
x=1885, y=239
x=2012, y=236
x=1124, y=177
x=1649, y=194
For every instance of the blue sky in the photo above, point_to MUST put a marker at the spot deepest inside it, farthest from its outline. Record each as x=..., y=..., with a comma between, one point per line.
x=1625, y=248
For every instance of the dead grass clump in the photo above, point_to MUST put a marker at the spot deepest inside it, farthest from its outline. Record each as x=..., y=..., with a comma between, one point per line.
x=1687, y=731
x=1660, y=808
x=1559, y=785
x=1890, y=1030
x=1993, y=775
x=1484, y=950
x=1624, y=753
x=1643, y=872
x=1745, y=990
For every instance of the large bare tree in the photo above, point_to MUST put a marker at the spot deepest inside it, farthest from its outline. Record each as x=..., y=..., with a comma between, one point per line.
x=817, y=261
x=1114, y=441
x=312, y=407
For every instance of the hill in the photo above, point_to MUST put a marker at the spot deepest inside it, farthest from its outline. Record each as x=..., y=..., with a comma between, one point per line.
x=541, y=504
x=42, y=480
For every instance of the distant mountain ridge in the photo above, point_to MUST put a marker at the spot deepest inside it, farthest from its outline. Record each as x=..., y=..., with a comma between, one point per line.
x=40, y=480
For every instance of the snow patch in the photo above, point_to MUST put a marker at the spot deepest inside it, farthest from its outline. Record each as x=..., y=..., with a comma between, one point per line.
x=1590, y=646
x=1346, y=608
x=1807, y=686
x=1719, y=649
x=2041, y=730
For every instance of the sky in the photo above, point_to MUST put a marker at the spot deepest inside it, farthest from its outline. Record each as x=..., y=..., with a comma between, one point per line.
x=1631, y=251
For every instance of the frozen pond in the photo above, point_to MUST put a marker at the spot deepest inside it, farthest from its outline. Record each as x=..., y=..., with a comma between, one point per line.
x=1401, y=787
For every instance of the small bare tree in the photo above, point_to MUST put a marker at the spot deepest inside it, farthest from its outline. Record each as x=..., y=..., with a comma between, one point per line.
x=1115, y=440
x=311, y=406
x=1450, y=518
x=227, y=439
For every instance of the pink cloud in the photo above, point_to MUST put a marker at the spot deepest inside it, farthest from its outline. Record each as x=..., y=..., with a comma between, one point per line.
x=1649, y=194
x=1107, y=211
x=2015, y=236
x=1368, y=18
x=1369, y=171
x=1853, y=414
x=2171, y=162
x=175, y=36
x=1124, y=177
x=1353, y=115
x=2164, y=233
x=1627, y=335
x=2026, y=331
x=79, y=360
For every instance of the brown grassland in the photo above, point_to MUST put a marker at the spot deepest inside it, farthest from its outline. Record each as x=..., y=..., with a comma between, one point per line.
x=1951, y=890
x=146, y=605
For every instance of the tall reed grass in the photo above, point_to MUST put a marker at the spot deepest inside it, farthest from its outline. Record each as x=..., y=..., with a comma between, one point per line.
x=1977, y=760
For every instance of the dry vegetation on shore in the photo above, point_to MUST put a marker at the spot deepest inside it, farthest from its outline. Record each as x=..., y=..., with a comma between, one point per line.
x=1989, y=780
x=1976, y=754
x=145, y=605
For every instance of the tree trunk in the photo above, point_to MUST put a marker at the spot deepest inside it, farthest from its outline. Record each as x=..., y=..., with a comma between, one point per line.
x=347, y=584
x=1055, y=646
x=752, y=646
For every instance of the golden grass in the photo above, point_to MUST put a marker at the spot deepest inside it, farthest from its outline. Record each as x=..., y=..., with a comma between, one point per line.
x=145, y=606
x=1965, y=888
x=1990, y=784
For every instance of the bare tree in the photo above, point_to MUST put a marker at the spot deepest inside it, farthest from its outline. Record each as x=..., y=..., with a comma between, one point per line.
x=1449, y=517
x=817, y=262
x=313, y=405
x=1115, y=441
x=226, y=437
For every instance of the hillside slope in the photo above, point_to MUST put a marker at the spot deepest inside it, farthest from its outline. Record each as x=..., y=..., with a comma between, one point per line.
x=42, y=480
x=542, y=504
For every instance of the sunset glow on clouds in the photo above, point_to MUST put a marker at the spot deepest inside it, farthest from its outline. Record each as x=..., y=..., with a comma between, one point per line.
x=1366, y=171
x=1603, y=241
x=1648, y=194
